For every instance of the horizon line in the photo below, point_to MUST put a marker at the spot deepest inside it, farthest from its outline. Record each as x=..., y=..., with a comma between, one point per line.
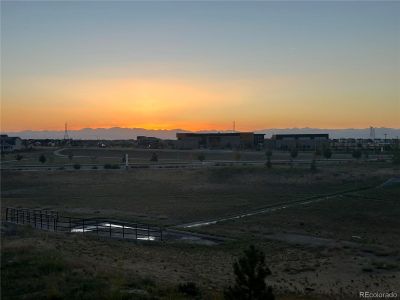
x=201, y=130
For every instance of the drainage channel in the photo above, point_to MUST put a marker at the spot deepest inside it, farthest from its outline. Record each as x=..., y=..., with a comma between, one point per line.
x=269, y=209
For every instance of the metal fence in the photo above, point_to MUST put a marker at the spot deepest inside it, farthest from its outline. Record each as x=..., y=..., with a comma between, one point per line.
x=51, y=220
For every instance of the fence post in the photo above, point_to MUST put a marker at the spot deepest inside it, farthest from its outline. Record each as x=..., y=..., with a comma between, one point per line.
x=136, y=230
x=54, y=224
x=110, y=230
x=70, y=225
x=97, y=227
x=160, y=234
x=83, y=225
x=123, y=231
x=17, y=215
x=7, y=214
x=34, y=217
x=48, y=222
x=41, y=220
x=148, y=232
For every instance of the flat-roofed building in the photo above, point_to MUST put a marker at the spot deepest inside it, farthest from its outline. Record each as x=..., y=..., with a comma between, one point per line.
x=228, y=140
x=300, y=141
x=9, y=144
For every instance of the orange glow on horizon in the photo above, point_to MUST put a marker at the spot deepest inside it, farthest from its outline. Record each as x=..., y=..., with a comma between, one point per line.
x=187, y=104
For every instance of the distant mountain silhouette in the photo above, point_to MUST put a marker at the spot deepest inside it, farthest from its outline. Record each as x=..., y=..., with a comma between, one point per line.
x=117, y=133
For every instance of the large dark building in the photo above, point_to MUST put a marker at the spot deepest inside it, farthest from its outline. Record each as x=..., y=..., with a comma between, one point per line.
x=229, y=140
x=299, y=141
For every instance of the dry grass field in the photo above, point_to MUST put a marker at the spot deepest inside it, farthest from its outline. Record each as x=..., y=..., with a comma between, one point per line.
x=174, y=196
x=324, y=250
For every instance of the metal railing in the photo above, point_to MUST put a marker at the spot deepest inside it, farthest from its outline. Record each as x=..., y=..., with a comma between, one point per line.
x=51, y=220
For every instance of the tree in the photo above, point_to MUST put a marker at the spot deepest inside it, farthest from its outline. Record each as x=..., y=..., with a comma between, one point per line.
x=237, y=156
x=18, y=157
x=201, y=157
x=250, y=273
x=42, y=158
x=313, y=166
x=396, y=156
x=268, y=163
x=268, y=154
x=294, y=153
x=327, y=152
x=154, y=157
x=356, y=154
x=366, y=154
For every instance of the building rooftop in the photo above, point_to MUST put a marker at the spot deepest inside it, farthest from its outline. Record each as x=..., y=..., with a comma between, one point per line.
x=300, y=135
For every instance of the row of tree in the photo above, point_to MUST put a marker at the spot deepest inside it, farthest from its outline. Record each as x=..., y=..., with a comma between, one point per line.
x=327, y=153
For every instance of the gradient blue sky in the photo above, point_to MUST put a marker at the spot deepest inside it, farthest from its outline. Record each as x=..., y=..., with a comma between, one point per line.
x=199, y=65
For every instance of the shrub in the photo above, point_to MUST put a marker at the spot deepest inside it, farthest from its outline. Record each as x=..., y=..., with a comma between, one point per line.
x=268, y=153
x=189, y=289
x=250, y=273
x=77, y=166
x=110, y=166
x=18, y=157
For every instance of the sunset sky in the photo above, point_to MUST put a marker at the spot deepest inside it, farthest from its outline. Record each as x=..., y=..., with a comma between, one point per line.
x=200, y=65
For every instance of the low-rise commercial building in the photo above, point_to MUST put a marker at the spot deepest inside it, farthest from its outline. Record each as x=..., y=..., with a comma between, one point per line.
x=228, y=140
x=299, y=141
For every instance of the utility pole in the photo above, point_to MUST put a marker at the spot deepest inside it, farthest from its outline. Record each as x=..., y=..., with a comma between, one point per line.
x=66, y=136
